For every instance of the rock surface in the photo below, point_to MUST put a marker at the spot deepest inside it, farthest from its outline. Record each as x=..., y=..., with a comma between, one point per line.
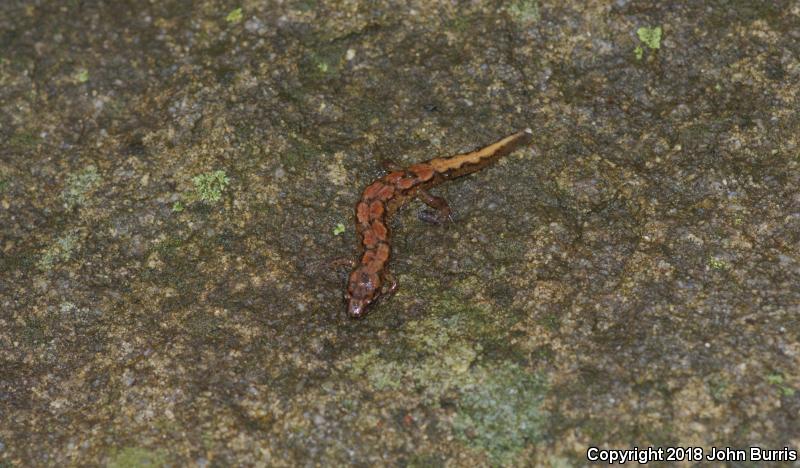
x=173, y=176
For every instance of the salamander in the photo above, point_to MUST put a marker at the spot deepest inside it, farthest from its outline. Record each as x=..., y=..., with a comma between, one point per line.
x=370, y=278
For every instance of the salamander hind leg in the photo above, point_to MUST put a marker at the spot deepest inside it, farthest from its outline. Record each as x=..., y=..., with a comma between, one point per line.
x=389, y=284
x=441, y=209
x=390, y=165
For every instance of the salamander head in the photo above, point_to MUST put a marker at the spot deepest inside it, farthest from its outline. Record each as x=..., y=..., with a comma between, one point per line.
x=363, y=288
x=356, y=308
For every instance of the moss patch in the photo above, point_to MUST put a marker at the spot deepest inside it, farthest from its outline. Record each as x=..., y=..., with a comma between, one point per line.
x=778, y=381
x=24, y=141
x=82, y=76
x=234, y=16
x=500, y=411
x=651, y=37
x=209, y=186
x=78, y=185
x=135, y=457
x=525, y=11
x=59, y=251
x=498, y=402
x=338, y=229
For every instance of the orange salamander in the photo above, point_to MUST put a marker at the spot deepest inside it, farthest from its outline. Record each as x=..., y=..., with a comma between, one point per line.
x=370, y=279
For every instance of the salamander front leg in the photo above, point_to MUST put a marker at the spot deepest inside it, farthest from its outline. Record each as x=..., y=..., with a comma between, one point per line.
x=389, y=284
x=442, y=211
